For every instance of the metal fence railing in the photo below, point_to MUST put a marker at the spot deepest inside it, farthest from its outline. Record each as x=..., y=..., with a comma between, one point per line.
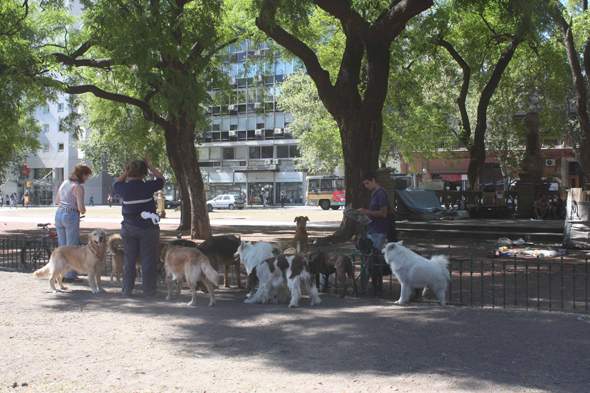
x=537, y=284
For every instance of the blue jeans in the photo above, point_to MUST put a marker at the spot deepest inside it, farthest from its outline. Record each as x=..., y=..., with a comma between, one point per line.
x=67, y=224
x=144, y=242
x=379, y=239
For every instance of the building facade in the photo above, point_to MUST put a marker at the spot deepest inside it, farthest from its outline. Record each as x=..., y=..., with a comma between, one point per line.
x=249, y=147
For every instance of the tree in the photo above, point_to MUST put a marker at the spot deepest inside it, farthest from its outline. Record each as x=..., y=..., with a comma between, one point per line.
x=355, y=94
x=24, y=31
x=482, y=38
x=160, y=57
x=315, y=129
x=574, y=45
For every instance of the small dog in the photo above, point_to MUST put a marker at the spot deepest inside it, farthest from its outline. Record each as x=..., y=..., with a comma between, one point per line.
x=119, y=257
x=415, y=271
x=301, y=233
x=278, y=274
x=191, y=264
x=84, y=259
x=220, y=250
x=252, y=255
x=330, y=263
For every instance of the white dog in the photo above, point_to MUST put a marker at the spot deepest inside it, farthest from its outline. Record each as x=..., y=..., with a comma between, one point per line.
x=252, y=255
x=415, y=271
x=274, y=274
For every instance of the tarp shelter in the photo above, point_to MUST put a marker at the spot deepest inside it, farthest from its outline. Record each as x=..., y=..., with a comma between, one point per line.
x=418, y=201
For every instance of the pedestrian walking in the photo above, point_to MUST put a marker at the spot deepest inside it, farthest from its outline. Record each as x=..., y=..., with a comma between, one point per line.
x=282, y=198
x=91, y=201
x=110, y=200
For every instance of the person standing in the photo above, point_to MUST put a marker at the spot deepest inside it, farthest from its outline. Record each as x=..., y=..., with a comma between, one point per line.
x=70, y=204
x=1, y=202
x=377, y=211
x=110, y=200
x=282, y=198
x=139, y=230
x=91, y=201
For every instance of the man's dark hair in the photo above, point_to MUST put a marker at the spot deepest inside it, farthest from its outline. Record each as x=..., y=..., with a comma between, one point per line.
x=370, y=175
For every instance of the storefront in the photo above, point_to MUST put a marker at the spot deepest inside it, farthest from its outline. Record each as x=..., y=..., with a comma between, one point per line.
x=291, y=183
x=257, y=183
x=226, y=183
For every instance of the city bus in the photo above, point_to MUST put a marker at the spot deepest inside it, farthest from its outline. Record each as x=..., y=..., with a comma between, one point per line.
x=327, y=192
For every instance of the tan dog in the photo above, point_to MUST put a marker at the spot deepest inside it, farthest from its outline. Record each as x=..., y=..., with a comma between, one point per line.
x=191, y=264
x=119, y=257
x=301, y=233
x=84, y=259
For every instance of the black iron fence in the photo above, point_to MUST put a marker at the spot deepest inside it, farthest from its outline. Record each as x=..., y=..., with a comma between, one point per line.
x=538, y=284
x=27, y=253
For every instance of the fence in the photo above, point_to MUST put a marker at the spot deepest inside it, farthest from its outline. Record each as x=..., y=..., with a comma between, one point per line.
x=539, y=284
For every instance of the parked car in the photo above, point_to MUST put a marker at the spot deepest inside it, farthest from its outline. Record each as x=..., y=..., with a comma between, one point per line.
x=171, y=204
x=225, y=201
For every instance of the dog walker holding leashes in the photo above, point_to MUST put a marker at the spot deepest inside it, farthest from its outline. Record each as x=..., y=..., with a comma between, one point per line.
x=140, y=228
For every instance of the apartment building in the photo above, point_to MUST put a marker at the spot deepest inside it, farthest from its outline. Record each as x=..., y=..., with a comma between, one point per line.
x=249, y=147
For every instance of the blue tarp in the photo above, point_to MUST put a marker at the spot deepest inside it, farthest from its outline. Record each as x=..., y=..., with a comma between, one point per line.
x=420, y=201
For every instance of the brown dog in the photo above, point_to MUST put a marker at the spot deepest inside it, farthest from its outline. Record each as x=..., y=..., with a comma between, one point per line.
x=84, y=259
x=115, y=246
x=192, y=265
x=328, y=263
x=301, y=233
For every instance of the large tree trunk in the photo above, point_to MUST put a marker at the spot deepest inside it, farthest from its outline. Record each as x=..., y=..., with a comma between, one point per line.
x=478, y=148
x=580, y=87
x=180, y=141
x=185, y=200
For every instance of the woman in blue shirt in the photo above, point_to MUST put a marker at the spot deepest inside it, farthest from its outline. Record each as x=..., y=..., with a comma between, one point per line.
x=139, y=230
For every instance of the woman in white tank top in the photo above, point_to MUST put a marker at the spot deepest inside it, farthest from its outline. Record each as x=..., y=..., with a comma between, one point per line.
x=70, y=202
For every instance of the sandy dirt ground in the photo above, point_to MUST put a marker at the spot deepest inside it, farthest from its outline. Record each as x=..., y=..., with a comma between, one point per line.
x=78, y=341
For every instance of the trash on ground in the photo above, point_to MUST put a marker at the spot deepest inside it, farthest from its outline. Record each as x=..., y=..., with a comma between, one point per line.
x=539, y=253
x=504, y=240
x=518, y=241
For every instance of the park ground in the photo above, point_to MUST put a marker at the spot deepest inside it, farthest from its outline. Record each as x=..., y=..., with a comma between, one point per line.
x=78, y=341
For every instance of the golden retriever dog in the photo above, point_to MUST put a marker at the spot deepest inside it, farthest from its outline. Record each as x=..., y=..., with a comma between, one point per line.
x=84, y=259
x=191, y=264
x=115, y=244
x=301, y=233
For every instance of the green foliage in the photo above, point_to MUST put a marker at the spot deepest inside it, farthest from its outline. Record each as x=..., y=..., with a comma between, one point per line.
x=316, y=131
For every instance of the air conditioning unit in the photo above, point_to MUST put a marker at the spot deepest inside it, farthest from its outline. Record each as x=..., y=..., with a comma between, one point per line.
x=233, y=81
x=232, y=107
x=267, y=162
x=287, y=130
x=257, y=105
x=233, y=133
x=258, y=131
x=278, y=131
x=275, y=161
x=257, y=52
x=550, y=162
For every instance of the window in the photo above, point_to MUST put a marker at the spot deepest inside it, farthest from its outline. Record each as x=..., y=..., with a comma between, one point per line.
x=254, y=152
x=45, y=128
x=45, y=109
x=228, y=153
x=289, y=151
x=267, y=151
x=60, y=107
x=60, y=147
x=45, y=147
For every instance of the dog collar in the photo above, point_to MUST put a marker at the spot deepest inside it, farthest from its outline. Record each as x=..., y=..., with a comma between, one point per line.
x=94, y=252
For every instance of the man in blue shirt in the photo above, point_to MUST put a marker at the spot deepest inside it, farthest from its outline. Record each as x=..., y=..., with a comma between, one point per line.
x=140, y=232
x=377, y=211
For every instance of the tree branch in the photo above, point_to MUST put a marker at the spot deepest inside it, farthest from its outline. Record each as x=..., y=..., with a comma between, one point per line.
x=148, y=112
x=466, y=125
x=71, y=61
